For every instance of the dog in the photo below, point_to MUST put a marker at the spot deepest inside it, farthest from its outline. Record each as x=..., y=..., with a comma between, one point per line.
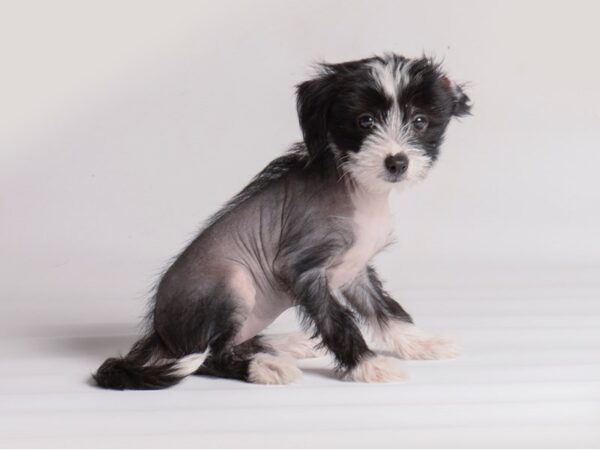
x=302, y=234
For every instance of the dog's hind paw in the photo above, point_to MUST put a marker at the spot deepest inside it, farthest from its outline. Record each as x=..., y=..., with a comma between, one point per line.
x=272, y=369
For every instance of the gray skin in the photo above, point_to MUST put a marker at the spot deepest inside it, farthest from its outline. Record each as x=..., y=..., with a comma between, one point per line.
x=278, y=236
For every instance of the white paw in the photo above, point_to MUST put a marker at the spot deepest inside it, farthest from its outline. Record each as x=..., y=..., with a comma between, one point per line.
x=377, y=369
x=297, y=345
x=409, y=342
x=273, y=369
x=432, y=347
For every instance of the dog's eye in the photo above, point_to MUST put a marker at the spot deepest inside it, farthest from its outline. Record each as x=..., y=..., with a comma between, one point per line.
x=420, y=122
x=366, y=121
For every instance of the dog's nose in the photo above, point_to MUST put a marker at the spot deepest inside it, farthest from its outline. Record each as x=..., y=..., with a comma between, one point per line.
x=396, y=164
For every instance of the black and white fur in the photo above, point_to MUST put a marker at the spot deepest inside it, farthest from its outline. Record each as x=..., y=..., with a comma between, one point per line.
x=303, y=234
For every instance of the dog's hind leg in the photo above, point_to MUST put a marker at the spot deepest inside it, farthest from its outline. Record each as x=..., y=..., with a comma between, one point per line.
x=184, y=329
x=191, y=319
x=254, y=361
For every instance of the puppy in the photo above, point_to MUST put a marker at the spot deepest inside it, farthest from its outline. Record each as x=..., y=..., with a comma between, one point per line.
x=302, y=234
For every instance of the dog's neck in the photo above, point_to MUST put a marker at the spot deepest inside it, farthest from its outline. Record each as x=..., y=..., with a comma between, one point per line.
x=369, y=198
x=372, y=228
x=364, y=197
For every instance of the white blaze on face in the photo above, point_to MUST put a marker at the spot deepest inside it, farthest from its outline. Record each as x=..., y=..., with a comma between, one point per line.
x=367, y=167
x=391, y=77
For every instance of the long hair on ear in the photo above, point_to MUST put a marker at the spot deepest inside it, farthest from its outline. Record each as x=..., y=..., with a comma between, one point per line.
x=313, y=101
x=461, y=103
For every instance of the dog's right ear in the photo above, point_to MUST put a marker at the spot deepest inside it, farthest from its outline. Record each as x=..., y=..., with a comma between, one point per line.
x=314, y=99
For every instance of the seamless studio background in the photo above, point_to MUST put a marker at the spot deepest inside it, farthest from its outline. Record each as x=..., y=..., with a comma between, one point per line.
x=124, y=125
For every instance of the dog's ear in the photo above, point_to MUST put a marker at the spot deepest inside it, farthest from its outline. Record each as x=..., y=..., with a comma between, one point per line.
x=314, y=99
x=461, y=103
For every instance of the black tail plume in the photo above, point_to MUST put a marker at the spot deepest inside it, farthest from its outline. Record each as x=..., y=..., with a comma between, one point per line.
x=134, y=371
x=120, y=374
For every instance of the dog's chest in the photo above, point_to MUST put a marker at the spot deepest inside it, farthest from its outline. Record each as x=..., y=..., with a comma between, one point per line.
x=373, y=229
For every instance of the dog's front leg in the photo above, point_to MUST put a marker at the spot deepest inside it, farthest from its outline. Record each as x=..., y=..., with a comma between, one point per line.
x=339, y=332
x=391, y=325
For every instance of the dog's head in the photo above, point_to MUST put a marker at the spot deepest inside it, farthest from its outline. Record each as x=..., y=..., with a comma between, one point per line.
x=383, y=117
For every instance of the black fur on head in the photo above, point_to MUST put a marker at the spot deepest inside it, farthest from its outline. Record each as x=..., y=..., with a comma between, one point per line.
x=357, y=105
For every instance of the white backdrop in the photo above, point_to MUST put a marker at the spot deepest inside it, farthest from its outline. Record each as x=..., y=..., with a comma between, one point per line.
x=125, y=124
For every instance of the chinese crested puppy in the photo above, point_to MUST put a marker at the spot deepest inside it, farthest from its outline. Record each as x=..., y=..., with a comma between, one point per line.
x=303, y=234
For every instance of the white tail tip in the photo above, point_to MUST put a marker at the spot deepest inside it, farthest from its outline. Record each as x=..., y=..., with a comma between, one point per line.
x=189, y=364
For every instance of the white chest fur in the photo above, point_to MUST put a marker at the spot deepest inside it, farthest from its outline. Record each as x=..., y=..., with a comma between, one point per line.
x=372, y=226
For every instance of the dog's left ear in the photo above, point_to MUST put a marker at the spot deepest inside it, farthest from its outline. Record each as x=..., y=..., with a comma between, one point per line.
x=314, y=99
x=461, y=103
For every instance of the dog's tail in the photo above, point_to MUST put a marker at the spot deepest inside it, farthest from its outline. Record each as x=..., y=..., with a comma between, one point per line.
x=139, y=369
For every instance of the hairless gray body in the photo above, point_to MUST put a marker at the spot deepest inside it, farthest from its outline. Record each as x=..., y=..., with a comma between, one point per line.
x=299, y=216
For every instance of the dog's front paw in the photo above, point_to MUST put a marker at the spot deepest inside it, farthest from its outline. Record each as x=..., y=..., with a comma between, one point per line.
x=376, y=369
x=427, y=346
x=272, y=369
x=297, y=345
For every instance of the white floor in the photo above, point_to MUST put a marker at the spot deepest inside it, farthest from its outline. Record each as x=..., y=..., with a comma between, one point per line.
x=529, y=377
